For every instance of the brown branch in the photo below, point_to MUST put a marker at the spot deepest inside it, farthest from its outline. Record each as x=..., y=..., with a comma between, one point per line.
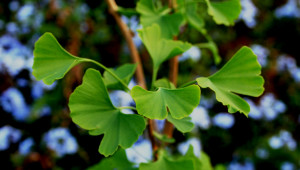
x=113, y=8
x=173, y=74
x=128, y=37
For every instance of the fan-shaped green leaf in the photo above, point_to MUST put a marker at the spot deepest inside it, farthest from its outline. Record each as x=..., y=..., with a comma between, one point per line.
x=164, y=83
x=92, y=109
x=183, y=125
x=169, y=23
x=51, y=61
x=160, y=49
x=241, y=74
x=156, y=104
x=125, y=72
x=166, y=163
x=117, y=161
x=224, y=12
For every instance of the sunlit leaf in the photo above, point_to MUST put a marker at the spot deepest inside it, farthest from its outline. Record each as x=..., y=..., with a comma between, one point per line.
x=161, y=49
x=92, y=109
x=183, y=125
x=166, y=163
x=224, y=12
x=51, y=61
x=125, y=72
x=156, y=104
x=169, y=23
x=241, y=75
x=117, y=161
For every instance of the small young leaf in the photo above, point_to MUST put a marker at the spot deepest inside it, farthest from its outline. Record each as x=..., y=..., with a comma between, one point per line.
x=169, y=23
x=156, y=104
x=161, y=49
x=117, y=161
x=92, y=109
x=164, y=83
x=51, y=61
x=166, y=163
x=224, y=12
x=125, y=72
x=163, y=137
x=192, y=16
x=241, y=74
x=183, y=125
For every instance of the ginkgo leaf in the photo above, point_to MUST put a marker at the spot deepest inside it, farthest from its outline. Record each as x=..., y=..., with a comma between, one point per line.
x=164, y=83
x=166, y=163
x=224, y=12
x=161, y=49
x=156, y=104
x=241, y=75
x=169, y=23
x=124, y=72
x=51, y=61
x=183, y=125
x=202, y=163
x=117, y=161
x=192, y=16
x=92, y=109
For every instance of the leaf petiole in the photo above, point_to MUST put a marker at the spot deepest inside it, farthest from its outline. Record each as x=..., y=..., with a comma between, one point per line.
x=109, y=71
x=188, y=83
x=126, y=107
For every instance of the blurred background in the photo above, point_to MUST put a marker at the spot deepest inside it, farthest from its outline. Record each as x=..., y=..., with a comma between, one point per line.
x=36, y=131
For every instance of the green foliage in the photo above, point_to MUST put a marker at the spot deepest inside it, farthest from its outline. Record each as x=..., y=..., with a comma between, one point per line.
x=202, y=163
x=125, y=72
x=51, y=61
x=224, y=12
x=241, y=74
x=168, y=164
x=92, y=109
x=160, y=49
x=117, y=161
x=156, y=104
x=169, y=23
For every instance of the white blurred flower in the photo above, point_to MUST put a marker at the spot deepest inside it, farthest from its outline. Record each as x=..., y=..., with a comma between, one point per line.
x=284, y=138
x=287, y=166
x=248, y=13
x=61, y=141
x=140, y=152
x=25, y=12
x=200, y=117
x=195, y=142
x=223, y=120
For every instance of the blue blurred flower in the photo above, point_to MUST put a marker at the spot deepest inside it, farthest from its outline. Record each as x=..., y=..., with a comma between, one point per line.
x=61, y=141
x=238, y=166
x=8, y=134
x=193, y=53
x=200, y=117
x=248, y=13
x=25, y=146
x=13, y=6
x=290, y=9
x=13, y=101
x=287, y=166
x=25, y=12
x=271, y=107
x=12, y=28
x=284, y=138
x=262, y=153
x=1, y=24
x=223, y=120
x=140, y=152
x=286, y=63
x=262, y=54
x=255, y=112
x=39, y=87
x=195, y=142
x=133, y=25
